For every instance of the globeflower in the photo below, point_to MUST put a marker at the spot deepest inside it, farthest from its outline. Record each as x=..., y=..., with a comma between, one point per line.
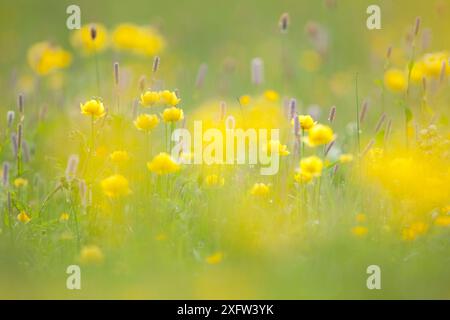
x=306, y=122
x=119, y=156
x=360, y=231
x=271, y=95
x=146, y=122
x=23, y=217
x=169, y=98
x=303, y=177
x=346, y=158
x=137, y=39
x=312, y=165
x=214, y=258
x=115, y=186
x=44, y=57
x=64, y=217
x=260, y=190
x=172, y=114
x=318, y=135
x=150, y=98
x=20, y=182
x=395, y=80
x=432, y=63
x=163, y=164
x=91, y=254
x=93, y=107
x=82, y=38
x=274, y=146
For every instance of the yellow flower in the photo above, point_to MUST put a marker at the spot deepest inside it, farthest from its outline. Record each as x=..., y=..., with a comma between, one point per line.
x=136, y=39
x=115, y=186
x=93, y=108
x=442, y=221
x=318, y=135
x=360, y=231
x=260, y=190
x=44, y=57
x=271, y=95
x=310, y=60
x=213, y=180
x=214, y=258
x=395, y=80
x=312, y=165
x=274, y=146
x=146, y=122
x=433, y=63
x=91, y=254
x=163, y=164
x=169, y=98
x=306, y=122
x=20, y=182
x=172, y=114
x=119, y=156
x=346, y=158
x=82, y=38
x=23, y=217
x=64, y=217
x=150, y=98
x=303, y=177
x=360, y=217
x=414, y=230
x=244, y=100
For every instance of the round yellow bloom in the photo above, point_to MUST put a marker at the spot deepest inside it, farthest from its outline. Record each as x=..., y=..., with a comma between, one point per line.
x=20, y=182
x=303, y=177
x=146, y=122
x=312, y=165
x=360, y=231
x=244, y=100
x=271, y=95
x=414, y=230
x=346, y=158
x=82, y=38
x=115, y=186
x=137, y=39
x=442, y=221
x=318, y=135
x=23, y=217
x=395, y=80
x=44, y=57
x=64, y=217
x=274, y=146
x=169, y=98
x=260, y=190
x=119, y=156
x=163, y=163
x=213, y=180
x=433, y=63
x=306, y=122
x=93, y=108
x=214, y=258
x=172, y=114
x=91, y=255
x=150, y=98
